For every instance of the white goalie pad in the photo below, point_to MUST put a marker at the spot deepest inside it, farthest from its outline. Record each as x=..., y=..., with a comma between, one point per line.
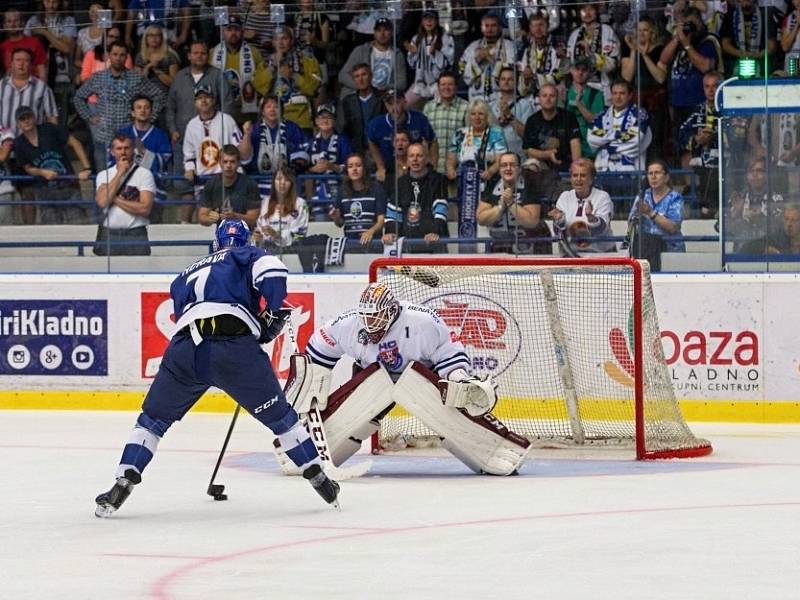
x=475, y=395
x=354, y=411
x=482, y=443
x=307, y=382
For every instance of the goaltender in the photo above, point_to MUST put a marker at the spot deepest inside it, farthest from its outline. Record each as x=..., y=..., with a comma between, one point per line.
x=408, y=357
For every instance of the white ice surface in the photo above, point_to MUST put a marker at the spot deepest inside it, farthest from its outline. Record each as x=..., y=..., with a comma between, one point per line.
x=418, y=526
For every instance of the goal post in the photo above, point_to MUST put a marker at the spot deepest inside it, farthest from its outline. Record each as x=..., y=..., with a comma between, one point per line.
x=573, y=344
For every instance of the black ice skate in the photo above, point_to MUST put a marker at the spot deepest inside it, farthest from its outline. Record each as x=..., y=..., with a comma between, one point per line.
x=110, y=501
x=326, y=487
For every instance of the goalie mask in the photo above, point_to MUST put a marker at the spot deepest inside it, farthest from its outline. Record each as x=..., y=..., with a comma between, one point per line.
x=377, y=309
x=231, y=233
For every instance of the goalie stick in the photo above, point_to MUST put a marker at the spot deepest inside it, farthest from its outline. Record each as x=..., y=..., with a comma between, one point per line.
x=316, y=429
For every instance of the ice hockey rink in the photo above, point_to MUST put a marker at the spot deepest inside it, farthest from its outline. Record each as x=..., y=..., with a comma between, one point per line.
x=417, y=526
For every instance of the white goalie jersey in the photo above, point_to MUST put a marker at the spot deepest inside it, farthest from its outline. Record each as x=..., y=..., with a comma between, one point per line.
x=417, y=334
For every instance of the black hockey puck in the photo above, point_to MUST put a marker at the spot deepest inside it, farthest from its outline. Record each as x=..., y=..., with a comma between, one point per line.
x=221, y=497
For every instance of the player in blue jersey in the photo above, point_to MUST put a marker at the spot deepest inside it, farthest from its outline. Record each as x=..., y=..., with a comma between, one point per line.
x=219, y=329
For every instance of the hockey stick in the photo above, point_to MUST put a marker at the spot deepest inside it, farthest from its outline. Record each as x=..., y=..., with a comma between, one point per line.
x=215, y=490
x=316, y=429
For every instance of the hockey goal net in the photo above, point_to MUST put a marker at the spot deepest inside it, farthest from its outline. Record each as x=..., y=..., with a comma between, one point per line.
x=573, y=344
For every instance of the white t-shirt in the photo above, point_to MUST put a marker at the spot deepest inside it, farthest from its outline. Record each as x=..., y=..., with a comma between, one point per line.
x=141, y=180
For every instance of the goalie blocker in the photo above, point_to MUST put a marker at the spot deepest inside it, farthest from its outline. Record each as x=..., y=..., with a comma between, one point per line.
x=353, y=413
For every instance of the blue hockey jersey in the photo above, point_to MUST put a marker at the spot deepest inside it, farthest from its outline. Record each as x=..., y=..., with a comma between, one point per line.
x=231, y=281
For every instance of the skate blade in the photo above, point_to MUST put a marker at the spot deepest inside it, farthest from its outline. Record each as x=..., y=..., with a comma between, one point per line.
x=104, y=511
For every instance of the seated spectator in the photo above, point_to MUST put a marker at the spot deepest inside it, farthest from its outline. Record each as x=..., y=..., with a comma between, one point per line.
x=284, y=217
x=229, y=194
x=446, y=113
x=512, y=212
x=541, y=60
x=41, y=152
x=597, y=42
x=479, y=143
x=156, y=60
x=420, y=210
x=381, y=132
x=388, y=64
x=360, y=108
x=361, y=205
x=327, y=152
x=431, y=52
x=698, y=140
x=7, y=191
x=656, y=214
x=125, y=194
x=621, y=134
x=552, y=137
x=96, y=59
x=790, y=41
x=585, y=102
x=511, y=111
x=16, y=38
x=20, y=88
x=756, y=212
x=173, y=17
x=482, y=60
x=649, y=83
x=294, y=77
x=788, y=241
x=748, y=31
x=584, y=211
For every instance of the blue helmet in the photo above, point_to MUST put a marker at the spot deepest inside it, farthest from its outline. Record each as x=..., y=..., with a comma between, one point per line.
x=231, y=233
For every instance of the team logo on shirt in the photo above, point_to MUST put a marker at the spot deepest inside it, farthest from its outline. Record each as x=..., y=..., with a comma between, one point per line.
x=389, y=355
x=209, y=153
x=356, y=209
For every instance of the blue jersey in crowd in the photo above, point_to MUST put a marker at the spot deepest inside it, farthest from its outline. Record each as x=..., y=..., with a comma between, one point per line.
x=230, y=282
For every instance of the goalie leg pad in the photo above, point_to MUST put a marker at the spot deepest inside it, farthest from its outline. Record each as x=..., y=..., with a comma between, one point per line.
x=482, y=443
x=354, y=411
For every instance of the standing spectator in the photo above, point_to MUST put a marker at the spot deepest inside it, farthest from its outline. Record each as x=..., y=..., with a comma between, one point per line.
x=284, y=218
x=584, y=211
x=258, y=26
x=698, y=139
x=360, y=108
x=294, y=77
x=361, y=205
x=511, y=111
x=327, y=152
x=181, y=109
x=7, y=191
x=401, y=140
x=97, y=59
x=20, y=88
x=430, y=53
x=243, y=68
x=387, y=63
x=482, y=59
x=447, y=113
x=597, y=42
x=420, y=210
x=659, y=213
x=380, y=132
x=57, y=32
x=621, y=134
x=541, y=60
x=229, y=194
x=203, y=140
x=552, y=137
x=640, y=68
x=748, y=31
x=173, y=16
x=152, y=148
x=16, y=38
x=114, y=88
x=41, y=152
x=584, y=102
x=511, y=211
x=481, y=142
x=692, y=52
x=125, y=194
x=89, y=37
x=156, y=60
x=314, y=37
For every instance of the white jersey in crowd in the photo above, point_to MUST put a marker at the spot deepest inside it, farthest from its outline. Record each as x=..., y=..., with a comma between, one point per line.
x=603, y=53
x=574, y=210
x=621, y=139
x=417, y=334
x=203, y=142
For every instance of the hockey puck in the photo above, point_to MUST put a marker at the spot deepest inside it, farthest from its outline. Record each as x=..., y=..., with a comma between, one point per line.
x=221, y=497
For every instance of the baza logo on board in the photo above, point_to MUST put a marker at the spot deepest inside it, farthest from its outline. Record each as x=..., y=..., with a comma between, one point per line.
x=158, y=326
x=490, y=334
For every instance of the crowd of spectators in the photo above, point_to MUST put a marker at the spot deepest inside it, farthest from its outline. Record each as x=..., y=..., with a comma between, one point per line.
x=347, y=113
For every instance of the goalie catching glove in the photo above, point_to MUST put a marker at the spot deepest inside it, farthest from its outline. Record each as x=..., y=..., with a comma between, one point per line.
x=272, y=323
x=476, y=395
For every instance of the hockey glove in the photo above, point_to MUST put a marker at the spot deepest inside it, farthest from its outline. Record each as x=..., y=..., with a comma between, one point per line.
x=272, y=324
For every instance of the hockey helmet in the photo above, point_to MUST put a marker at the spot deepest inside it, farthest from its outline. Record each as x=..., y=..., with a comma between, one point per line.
x=378, y=308
x=231, y=233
